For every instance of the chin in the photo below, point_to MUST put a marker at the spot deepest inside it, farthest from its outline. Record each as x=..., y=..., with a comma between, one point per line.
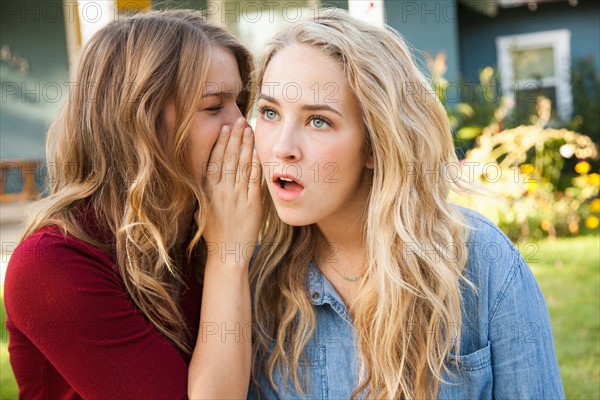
x=294, y=217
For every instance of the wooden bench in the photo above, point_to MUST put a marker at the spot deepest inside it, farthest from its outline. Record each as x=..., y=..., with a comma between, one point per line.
x=27, y=171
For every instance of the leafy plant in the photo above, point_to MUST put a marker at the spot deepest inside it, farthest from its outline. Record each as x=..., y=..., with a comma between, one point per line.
x=521, y=169
x=585, y=87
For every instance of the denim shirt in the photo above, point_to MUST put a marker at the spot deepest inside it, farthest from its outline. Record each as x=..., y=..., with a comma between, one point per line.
x=506, y=350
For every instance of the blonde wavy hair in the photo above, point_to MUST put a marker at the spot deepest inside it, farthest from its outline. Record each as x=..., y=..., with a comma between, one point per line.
x=108, y=154
x=407, y=313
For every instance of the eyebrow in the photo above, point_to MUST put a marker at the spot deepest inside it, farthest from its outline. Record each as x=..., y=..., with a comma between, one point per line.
x=306, y=107
x=220, y=94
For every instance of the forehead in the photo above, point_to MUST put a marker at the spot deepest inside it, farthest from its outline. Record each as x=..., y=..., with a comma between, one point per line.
x=223, y=73
x=302, y=73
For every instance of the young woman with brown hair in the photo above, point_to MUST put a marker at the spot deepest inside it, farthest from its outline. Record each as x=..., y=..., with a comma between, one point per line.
x=124, y=276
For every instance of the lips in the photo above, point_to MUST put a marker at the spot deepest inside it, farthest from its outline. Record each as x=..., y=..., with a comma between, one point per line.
x=287, y=187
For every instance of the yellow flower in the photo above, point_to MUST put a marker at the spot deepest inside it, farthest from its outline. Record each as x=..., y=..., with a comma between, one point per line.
x=532, y=185
x=574, y=228
x=582, y=167
x=546, y=225
x=594, y=179
x=527, y=168
x=592, y=222
x=595, y=206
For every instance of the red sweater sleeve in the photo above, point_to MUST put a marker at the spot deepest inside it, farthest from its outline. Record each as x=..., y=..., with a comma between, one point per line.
x=70, y=318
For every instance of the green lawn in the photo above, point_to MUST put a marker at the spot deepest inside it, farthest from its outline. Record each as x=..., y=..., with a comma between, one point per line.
x=8, y=387
x=568, y=271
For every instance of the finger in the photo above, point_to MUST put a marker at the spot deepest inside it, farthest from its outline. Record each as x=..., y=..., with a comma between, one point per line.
x=245, y=158
x=215, y=161
x=255, y=180
x=232, y=153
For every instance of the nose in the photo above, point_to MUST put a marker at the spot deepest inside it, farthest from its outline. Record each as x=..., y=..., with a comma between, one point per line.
x=234, y=114
x=286, y=147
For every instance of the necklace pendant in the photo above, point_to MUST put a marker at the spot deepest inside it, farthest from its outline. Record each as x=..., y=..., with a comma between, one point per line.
x=351, y=278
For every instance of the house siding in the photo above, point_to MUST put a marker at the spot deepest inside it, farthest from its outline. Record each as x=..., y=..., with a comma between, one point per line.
x=477, y=33
x=429, y=26
x=35, y=31
x=343, y=4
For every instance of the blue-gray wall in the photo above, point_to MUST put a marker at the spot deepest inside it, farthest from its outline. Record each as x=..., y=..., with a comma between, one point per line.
x=429, y=26
x=187, y=4
x=478, y=33
x=335, y=3
x=35, y=31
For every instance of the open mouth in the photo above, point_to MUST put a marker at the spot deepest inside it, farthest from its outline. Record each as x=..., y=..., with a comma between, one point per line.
x=288, y=188
x=290, y=184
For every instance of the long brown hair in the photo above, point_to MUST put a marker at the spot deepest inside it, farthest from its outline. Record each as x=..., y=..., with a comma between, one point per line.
x=107, y=149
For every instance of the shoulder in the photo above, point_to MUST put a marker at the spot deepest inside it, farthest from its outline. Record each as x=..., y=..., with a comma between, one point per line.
x=482, y=230
x=51, y=247
x=497, y=269
x=493, y=261
x=486, y=243
x=48, y=268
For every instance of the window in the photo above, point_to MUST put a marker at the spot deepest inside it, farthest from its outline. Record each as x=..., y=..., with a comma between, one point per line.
x=536, y=64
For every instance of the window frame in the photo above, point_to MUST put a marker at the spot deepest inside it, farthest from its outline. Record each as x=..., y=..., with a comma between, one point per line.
x=560, y=41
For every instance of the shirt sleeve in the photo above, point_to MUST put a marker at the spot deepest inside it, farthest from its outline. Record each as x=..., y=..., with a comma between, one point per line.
x=524, y=362
x=65, y=297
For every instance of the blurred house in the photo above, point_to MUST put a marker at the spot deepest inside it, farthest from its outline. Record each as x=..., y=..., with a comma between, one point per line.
x=531, y=42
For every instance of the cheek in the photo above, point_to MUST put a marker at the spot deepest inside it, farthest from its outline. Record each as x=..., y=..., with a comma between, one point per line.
x=202, y=140
x=210, y=138
x=341, y=164
x=262, y=141
x=262, y=149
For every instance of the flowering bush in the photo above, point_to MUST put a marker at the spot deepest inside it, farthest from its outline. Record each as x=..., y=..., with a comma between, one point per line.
x=532, y=180
x=518, y=171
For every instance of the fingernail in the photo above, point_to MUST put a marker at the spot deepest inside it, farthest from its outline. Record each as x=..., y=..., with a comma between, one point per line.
x=225, y=130
x=248, y=133
x=241, y=122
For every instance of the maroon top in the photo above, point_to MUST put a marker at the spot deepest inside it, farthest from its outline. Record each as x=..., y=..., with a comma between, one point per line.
x=74, y=331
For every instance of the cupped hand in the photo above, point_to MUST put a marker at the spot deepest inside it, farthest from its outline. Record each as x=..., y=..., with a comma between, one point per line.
x=234, y=187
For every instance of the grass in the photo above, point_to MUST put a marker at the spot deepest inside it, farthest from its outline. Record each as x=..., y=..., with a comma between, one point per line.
x=8, y=387
x=568, y=271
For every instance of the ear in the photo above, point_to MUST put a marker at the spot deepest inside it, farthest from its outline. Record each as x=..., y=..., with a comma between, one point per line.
x=369, y=163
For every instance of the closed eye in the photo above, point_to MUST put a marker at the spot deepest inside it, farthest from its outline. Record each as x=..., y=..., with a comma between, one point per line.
x=217, y=108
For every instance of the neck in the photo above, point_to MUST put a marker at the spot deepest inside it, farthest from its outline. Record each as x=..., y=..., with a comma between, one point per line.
x=342, y=258
x=342, y=249
x=342, y=245
x=346, y=238
x=345, y=229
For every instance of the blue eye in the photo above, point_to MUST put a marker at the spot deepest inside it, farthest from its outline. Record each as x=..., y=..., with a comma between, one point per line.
x=319, y=123
x=270, y=114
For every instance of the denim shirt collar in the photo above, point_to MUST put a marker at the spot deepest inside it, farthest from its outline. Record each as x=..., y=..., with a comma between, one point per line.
x=322, y=292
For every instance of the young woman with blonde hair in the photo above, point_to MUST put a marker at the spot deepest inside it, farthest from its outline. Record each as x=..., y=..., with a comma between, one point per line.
x=125, y=275
x=368, y=283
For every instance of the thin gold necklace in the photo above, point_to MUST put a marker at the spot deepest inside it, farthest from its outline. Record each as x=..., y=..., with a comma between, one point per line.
x=345, y=277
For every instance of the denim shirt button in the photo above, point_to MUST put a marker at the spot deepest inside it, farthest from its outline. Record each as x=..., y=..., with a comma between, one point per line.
x=316, y=295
